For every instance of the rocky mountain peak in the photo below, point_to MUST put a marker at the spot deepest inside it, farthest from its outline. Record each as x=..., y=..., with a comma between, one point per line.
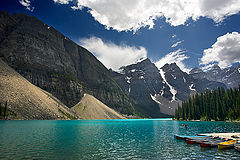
x=141, y=59
x=151, y=87
x=140, y=68
x=172, y=67
x=215, y=70
x=215, y=67
x=229, y=76
x=141, y=81
x=195, y=71
x=145, y=60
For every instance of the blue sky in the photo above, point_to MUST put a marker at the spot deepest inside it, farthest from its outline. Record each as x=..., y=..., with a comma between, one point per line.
x=120, y=32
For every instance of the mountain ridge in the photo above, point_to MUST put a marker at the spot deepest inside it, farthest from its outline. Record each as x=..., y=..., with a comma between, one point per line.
x=160, y=89
x=56, y=64
x=229, y=76
x=51, y=61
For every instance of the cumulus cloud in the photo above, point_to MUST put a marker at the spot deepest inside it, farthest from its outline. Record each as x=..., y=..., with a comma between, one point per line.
x=27, y=4
x=177, y=57
x=177, y=43
x=112, y=55
x=62, y=1
x=131, y=15
x=224, y=52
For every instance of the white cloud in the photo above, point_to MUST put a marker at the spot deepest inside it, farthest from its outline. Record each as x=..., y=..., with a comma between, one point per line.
x=112, y=55
x=225, y=51
x=62, y=1
x=131, y=15
x=27, y=4
x=177, y=57
x=177, y=43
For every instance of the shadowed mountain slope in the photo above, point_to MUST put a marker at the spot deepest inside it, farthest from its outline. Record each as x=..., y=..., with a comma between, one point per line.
x=56, y=64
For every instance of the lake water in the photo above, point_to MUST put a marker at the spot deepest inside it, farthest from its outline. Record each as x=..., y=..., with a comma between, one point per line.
x=108, y=139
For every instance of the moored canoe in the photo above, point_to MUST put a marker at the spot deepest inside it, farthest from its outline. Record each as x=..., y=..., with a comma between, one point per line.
x=227, y=144
x=197, y=140
x=186, y=137
x=211, y=143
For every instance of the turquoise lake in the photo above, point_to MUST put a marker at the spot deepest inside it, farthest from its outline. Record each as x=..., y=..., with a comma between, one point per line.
x=108, y=139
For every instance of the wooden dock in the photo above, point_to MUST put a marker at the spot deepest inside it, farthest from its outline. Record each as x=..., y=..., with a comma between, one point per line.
x=223, y=135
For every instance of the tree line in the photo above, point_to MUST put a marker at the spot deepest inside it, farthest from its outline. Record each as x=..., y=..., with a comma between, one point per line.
x=221, y=104
x=3, y=111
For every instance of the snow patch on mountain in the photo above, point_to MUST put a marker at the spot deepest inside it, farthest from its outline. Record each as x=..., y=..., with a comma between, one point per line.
x=133, y=70
x=184, y=80
x=155, y=99
x=141, y=77
x=191, y=87
x=172, y=90
x=140, y=60
x=174, y=77
x=162, y=92
x=128, y=79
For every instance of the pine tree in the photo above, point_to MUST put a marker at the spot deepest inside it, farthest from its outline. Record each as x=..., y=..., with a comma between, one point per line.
x=5, y=113
x=1, y=109
x=220, y=104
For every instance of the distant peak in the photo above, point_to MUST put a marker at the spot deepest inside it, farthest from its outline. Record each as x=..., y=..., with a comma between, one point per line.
x=171, y=65
x=141, y=59
x=196, y=70
x=215, y=67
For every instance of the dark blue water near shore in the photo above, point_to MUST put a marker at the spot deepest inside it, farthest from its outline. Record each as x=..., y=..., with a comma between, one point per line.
x=108, y=139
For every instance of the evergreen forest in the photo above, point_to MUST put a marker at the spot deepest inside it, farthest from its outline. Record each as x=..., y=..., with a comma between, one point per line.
x=220, y=105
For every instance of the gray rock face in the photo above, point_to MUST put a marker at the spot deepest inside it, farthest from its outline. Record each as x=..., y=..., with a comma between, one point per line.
x=229, y=76
x=186, y=84
x=161, y=89
x=141, y=81
x=179, y=80
x=56, y=64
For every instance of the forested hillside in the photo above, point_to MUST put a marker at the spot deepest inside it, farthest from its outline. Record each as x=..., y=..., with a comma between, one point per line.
x=219, y=104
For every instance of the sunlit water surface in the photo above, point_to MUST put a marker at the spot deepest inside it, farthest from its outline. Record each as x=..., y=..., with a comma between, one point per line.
x=108, y=139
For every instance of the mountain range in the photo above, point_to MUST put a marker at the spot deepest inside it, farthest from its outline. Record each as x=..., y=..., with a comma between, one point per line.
x=165, y=88
x=54, y=63
x=229, y=76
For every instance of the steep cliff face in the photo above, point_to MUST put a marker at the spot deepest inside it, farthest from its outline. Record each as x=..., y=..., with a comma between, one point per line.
x=141, y=81
x=186, y=84
x=56, y=64
x=179, y=80
x=160, y=90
